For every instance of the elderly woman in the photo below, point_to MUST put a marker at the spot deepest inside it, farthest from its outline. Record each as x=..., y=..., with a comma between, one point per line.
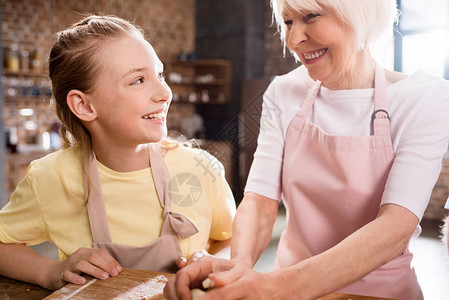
x=354, y=152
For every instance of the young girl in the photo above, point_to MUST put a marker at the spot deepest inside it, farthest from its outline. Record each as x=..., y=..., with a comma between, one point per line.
x=112, y=198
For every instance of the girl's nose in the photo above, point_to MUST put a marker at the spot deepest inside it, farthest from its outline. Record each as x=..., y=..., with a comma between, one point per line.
x=161, y=92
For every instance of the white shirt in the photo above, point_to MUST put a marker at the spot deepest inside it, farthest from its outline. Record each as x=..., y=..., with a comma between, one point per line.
x=419, y=110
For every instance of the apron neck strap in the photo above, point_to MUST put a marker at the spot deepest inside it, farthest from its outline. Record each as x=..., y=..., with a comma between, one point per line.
x=95, y=204
x=181, y=224
x=380, y=117
x=309, y=100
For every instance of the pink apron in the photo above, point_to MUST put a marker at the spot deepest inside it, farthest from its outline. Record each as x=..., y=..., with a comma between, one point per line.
x=332, y=186
x=158, y=255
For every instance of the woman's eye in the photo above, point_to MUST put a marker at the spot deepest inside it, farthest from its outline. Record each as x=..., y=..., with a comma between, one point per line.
x=288, y=23
x=138, y=81
x=311, y=16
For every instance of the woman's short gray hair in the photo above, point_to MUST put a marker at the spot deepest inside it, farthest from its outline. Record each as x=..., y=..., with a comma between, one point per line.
x=370, y=19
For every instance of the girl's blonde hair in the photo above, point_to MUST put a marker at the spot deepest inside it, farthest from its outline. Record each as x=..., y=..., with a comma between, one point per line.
x=370, y=19
x=74, y=64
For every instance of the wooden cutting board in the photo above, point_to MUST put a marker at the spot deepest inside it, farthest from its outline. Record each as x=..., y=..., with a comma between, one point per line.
x=129, y=284
x=137, y=284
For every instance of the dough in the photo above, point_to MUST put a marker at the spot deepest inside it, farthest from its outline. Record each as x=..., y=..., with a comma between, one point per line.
x=197, y=293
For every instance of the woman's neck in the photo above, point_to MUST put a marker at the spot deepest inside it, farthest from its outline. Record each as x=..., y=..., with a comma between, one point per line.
x=358, y=73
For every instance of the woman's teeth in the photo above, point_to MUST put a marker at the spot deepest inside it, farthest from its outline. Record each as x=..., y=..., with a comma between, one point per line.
x=154, y=116
x=315, y=54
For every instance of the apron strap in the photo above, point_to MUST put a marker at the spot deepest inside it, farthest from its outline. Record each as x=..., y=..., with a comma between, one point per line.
x=309, y=100
x=181, y=224
x=380, y=117
x=95, y=204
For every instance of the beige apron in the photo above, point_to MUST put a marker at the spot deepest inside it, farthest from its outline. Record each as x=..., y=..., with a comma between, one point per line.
x=159, y=255
x=332, y=186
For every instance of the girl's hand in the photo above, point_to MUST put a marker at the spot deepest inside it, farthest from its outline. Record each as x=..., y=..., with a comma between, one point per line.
x=182, y=261
x=95, y=262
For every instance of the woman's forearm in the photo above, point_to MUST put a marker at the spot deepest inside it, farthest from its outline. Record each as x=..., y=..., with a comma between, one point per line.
x=355, y=257
x=20, y=262
x=252, y=228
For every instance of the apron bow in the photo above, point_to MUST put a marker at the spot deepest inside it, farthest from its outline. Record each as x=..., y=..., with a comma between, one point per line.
x=181, y=224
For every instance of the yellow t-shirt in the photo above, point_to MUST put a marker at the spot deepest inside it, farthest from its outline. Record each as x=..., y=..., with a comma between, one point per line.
x=49, y=205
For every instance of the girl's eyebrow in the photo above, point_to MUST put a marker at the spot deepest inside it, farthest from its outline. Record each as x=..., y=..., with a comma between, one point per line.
x=134, y=70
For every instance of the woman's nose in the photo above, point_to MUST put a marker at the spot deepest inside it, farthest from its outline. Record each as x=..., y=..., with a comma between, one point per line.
x=296, y=35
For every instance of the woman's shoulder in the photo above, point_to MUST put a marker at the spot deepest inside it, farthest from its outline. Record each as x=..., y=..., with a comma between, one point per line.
x=418, y=81
x=297, y=77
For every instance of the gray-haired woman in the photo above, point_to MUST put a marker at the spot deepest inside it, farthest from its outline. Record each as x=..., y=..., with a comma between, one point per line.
x=354, y=152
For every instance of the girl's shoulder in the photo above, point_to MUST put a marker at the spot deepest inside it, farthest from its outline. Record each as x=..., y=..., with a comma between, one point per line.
x=194, y=160
x=67, y=158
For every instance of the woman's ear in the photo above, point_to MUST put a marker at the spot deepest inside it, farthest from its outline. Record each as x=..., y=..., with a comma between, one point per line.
x=80, y=106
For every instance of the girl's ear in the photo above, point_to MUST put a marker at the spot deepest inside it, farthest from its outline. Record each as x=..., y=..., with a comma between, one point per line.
x=79, y=105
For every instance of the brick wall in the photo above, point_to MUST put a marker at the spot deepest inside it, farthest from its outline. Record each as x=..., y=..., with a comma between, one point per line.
x=276, y=63
x=169, y=24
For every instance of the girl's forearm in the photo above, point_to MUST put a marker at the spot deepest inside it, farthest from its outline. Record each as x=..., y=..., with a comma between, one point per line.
x=20, y=262
x=252, y=228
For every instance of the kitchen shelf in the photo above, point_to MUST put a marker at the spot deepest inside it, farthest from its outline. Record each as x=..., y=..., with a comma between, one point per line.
x=201, y=81
x=30, y=73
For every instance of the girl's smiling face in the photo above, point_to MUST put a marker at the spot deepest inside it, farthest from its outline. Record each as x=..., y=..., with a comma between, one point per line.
x=130, y=96
x=323, y=43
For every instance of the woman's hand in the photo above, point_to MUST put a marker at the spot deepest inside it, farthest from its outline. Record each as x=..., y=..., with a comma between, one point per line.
x=248, y=284
x=230, y=280
x=219, y=271
x=95, y=262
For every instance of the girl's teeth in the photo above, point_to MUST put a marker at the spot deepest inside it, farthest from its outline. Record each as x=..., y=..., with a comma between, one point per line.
x=154, y=116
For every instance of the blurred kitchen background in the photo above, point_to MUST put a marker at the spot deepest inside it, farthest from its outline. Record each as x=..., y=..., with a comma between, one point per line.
x=219, y=57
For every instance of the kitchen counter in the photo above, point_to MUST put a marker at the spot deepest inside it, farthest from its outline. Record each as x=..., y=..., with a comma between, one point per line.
x=129, y=284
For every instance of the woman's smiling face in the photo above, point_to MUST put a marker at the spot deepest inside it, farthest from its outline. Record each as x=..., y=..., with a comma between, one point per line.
x=322, y=42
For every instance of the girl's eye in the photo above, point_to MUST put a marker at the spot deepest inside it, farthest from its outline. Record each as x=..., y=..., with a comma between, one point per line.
x=161, y=76
x=138, y=81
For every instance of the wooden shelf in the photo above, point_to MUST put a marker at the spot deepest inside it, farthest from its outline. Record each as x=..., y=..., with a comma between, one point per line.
x=30, y=73
x=201, y=81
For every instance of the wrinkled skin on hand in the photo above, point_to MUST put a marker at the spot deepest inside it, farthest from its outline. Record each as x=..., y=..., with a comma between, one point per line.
x=232, y=280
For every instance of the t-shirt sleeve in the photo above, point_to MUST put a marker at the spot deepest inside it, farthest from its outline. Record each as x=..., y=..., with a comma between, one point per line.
x=224, y=208
x=419, y=155
x=21, y=219
x=265, y=174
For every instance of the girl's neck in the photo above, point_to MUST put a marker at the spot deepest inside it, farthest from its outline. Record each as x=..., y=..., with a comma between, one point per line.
x=358, y=73
x=123, y=159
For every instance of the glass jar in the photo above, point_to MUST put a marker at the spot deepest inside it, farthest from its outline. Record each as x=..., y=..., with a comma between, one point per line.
x=37, y=60
x=12, y=58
